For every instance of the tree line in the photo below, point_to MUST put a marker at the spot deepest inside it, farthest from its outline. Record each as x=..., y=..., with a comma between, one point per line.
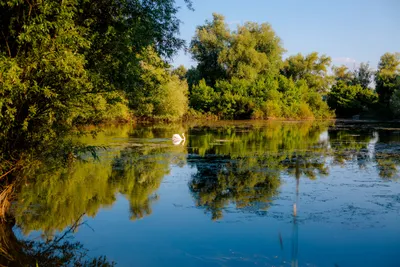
x=71, y=62
x=241, y=74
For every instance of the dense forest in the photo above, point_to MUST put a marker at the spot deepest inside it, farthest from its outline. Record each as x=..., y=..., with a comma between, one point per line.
x=75, y=62
x=241, y=74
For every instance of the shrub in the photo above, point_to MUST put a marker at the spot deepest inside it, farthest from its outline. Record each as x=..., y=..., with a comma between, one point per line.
x=304, y=111
x=272, y=109
x=203, y=97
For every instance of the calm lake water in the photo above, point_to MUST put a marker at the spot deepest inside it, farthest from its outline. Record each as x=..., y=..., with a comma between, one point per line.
x=226, y=196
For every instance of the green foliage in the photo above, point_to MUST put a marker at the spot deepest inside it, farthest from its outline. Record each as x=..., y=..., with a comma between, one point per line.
x=363, y=75
x=180, y=71
x=319, y=107
x=233, y=101
x=351, y=94
x=163, y=95
x=68, y=62
x=292, y=95
x=102, y=107
x=349, y=100
x=43, y=76
x=270, y=109
x=262, y=99
x=343, y=74
x=193, y=77
x=203, y=97
x=395, y=101
x=253, y=50
x=119, y=30
x=206, y=46
x=245, y=77
x=241, y=75
x=386, y=77
x=311, y=68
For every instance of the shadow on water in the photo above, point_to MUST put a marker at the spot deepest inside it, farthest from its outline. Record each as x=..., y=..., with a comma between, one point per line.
x=238, y=168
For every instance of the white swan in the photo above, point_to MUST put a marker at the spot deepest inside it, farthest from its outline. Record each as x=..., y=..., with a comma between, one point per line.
x=177, y=139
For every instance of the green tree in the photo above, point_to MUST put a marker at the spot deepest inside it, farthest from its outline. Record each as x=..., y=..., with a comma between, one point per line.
x=119, y=30
x=360, y=76
x=74, y=61
x=395, y=99
x=162, y=95
x=363, y=75
x=348, y=100
x=180, y=71
x=254, y=50
x=206, y=46
x=343, y=74
x=203, y=97
x=386, y=78
x=351, y=94
x=311, y=68
x=247, y=83
x=193, y=76
x=43, y=76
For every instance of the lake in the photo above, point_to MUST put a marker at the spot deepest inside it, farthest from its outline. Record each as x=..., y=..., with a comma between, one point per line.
x=237, y=193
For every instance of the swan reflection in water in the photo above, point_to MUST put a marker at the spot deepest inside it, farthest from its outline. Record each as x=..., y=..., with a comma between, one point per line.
x=177, y=139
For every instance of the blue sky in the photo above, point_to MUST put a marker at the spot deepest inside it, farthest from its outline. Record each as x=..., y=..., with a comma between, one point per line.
x=350, y=32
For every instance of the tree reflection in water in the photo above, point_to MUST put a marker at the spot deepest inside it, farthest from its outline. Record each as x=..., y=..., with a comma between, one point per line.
x=59, y=250
x=244, y=166
x=239, y=165
x=245, y=182
x=61, y=192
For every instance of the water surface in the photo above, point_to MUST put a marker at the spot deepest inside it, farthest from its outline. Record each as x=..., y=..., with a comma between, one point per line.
x=233, y=194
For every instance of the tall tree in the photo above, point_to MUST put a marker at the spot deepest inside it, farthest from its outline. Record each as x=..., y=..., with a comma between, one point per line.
x=119, y=30
x=162, y=94
x=386, y=77
x=363, y=75
x=311, y=68
x=254, y=50
x=343, y=74
x=206, y=46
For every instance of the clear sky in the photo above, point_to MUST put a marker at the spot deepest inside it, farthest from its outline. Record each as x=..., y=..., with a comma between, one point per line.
x=349, y=31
